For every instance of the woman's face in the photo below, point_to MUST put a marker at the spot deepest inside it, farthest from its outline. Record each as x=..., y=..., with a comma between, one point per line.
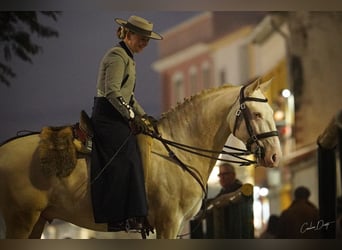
x=136, y=42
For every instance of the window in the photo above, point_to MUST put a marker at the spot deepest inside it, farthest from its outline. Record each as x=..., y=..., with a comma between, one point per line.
x=178, y=88
x=193, y=80
x=222, y=77
x=206, y=75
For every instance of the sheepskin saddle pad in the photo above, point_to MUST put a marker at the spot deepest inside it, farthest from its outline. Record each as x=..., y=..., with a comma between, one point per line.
x=57, y=152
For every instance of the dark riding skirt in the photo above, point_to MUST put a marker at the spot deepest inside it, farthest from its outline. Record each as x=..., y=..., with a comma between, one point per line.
x=119, y=192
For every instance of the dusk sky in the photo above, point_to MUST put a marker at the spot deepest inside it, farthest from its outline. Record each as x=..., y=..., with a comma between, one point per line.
x=62, y=80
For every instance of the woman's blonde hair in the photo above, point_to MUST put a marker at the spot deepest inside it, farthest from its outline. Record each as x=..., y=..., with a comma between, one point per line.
x=122, y=32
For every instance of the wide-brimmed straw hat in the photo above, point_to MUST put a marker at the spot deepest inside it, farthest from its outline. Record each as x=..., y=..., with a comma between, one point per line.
x=139, y=25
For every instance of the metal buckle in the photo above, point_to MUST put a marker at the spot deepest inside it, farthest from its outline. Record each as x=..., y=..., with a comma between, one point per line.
x=254, y=138
x=238, y=112
x=243, y=106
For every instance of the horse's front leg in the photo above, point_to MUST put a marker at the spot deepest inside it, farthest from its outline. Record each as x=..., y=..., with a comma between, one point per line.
x=19, y=225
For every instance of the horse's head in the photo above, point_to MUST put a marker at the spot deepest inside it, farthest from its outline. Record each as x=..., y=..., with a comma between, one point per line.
x=254, y=124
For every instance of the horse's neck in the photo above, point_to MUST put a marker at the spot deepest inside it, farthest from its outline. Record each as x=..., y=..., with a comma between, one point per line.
x=201, y=122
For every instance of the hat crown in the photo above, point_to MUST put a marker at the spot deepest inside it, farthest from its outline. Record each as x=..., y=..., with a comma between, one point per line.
x=141, y=23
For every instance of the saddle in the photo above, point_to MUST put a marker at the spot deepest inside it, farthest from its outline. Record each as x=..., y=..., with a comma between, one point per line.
x=60, y=147
x=83, y=134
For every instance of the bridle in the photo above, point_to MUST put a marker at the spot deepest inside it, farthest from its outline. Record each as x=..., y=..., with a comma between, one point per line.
x=246, y=114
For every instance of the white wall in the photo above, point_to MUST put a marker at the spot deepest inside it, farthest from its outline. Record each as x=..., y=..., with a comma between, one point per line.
x=307, y=177
x=228, y=58
x=268, y=53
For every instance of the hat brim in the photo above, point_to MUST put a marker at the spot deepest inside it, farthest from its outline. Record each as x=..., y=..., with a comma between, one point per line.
x=153, y=35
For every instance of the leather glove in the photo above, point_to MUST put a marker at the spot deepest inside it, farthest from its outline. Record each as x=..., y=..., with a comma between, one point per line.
x=150, y=119
x=138, y=125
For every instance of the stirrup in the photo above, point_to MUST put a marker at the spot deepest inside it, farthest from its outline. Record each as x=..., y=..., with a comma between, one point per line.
x=146, y=228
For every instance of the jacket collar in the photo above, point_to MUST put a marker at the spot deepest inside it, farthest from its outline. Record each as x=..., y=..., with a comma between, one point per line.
x=128, y=51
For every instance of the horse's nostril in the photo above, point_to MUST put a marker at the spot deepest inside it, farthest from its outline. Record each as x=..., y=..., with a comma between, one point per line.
x=274, y=158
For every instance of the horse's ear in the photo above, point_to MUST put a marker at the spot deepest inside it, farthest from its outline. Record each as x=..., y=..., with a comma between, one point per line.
x=265, y=85
x=250, y=88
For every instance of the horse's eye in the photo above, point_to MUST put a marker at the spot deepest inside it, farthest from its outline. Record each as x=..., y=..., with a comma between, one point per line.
x=257, y=115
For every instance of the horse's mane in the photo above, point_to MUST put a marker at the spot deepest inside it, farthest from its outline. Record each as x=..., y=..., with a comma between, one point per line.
x=188, y=100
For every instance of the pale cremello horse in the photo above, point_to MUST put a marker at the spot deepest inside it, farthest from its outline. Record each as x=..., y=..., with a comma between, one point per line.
x=28, y=199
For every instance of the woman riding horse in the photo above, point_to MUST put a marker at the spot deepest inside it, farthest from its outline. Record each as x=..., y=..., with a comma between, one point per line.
x=118, y=191
x=29, y=198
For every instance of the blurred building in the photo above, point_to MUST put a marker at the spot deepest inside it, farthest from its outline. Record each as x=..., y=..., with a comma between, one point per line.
x=205, y=51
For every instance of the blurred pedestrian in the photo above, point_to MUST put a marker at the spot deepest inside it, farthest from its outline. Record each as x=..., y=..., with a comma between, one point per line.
x=228, y=181
x=272, y=228
x=300, y=220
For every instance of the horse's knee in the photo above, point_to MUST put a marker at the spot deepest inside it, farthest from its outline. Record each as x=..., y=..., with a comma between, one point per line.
x=167, y=229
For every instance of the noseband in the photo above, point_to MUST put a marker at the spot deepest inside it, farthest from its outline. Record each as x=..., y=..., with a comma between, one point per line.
x=254, y=138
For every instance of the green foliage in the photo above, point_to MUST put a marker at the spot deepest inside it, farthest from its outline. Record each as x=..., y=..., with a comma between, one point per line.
x=17, y=29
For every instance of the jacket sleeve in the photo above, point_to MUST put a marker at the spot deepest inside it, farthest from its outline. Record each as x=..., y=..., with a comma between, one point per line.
x=114, y=67
x=136, y=107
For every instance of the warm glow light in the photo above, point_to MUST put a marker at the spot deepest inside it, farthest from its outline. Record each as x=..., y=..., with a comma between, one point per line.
x=279, y=115
x=256, y=194
x=286, y=93
x=263, y=191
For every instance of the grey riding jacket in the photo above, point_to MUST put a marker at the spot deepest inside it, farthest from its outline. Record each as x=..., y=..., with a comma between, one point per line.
x=116, y=81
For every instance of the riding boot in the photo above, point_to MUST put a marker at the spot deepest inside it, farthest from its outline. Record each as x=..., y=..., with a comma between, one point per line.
x=117, y=226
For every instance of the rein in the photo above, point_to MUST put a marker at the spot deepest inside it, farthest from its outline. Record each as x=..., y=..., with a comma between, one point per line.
x=173, y=156
x=194, y=150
